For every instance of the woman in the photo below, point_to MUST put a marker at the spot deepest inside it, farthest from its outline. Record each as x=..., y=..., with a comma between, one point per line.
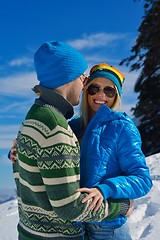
x=112, y=163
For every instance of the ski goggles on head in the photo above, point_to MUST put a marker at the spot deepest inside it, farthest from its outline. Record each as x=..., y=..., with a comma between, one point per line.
x=108, y=91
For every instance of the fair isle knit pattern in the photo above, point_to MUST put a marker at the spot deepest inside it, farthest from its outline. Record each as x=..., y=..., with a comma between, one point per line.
x=47, y=176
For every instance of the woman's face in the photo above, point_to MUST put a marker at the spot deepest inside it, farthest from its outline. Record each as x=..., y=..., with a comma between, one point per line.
x=95, y=101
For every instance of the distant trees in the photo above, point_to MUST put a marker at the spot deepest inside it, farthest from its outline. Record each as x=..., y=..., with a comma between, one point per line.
x=146, y=57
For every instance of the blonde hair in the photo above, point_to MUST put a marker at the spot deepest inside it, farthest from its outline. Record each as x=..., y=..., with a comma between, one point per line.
x=84, y=107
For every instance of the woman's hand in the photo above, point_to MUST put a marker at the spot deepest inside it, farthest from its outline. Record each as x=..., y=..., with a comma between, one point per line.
x=13, y=156
x=93, y=193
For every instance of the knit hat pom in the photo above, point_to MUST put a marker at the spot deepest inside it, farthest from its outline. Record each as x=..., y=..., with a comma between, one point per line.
x=57, y=63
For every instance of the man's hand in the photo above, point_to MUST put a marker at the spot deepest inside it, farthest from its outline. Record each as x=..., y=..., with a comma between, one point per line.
x=13, y=156
x=130, y=210
x=93, y=193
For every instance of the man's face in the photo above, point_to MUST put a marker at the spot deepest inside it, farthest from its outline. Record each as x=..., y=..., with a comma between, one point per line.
x=75, y=89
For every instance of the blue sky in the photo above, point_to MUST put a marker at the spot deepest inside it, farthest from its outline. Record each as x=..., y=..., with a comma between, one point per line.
x=102, y=30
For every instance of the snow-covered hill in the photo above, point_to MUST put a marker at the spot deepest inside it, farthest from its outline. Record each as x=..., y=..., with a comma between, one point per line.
x=144, y=222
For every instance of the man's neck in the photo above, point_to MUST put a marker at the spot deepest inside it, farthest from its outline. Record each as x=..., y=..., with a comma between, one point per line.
x=49, y=97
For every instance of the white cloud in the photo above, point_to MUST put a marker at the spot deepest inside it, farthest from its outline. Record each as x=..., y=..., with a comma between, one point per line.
x=16, y=107
x=96, y=40
x=9, y=129
x=21, y=61
x=18, y=85
x=8, y=134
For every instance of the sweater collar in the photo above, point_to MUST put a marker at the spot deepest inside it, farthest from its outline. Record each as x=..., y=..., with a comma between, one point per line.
x=53, y=99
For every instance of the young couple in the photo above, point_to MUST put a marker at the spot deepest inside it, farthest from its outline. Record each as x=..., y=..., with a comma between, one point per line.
x=56, y=199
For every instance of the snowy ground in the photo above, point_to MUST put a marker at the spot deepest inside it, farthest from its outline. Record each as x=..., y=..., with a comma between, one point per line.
x=8, y=220
x=144, y=222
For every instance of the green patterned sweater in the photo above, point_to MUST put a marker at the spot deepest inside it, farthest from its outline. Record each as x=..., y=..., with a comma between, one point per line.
x=47, y=175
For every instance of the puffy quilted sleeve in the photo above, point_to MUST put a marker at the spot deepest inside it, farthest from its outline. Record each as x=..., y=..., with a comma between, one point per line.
x=135, y=180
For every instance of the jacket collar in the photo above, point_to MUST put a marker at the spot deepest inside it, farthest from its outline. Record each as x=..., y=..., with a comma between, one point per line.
x=52, y=99
x=105, y=114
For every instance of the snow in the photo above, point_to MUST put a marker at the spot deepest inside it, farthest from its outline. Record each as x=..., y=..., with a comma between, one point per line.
x=143, y=223
x=8, y=220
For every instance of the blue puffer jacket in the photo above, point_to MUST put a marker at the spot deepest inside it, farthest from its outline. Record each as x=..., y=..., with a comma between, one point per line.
x=111, y=157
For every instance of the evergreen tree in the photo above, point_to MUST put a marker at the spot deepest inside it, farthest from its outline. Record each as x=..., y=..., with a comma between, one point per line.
x=146, y=57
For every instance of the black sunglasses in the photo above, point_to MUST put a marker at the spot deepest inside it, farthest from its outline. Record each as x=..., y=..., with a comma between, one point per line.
x=108, y=91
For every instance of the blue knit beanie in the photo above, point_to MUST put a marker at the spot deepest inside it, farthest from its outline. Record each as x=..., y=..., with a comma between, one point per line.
x=57, y=64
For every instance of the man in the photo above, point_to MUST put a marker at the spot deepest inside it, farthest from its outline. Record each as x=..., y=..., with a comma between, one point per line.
x=47, y=171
